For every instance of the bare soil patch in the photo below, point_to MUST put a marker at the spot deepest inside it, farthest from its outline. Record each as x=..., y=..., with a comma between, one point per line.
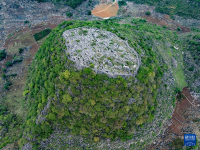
x=155, y=20
x=10, y=42
x=106, y=10
x=34, y=49
x=52, y=26
x=37, y=27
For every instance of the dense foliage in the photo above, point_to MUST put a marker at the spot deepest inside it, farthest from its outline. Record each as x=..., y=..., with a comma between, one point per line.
x=184, y=8
x=89, y=104
x=41, y=34
x=122, y=3
x=71, y=3
x=8, y=127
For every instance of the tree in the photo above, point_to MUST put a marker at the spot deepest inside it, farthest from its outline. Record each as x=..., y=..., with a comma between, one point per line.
x=66, y=99
x=51, y=116
x=140, y=120
x=40, y=105
x=92, y=102
x=66, y=74
x=96, y=139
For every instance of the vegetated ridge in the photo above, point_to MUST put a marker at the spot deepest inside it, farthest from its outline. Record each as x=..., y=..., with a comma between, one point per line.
x=92, y=105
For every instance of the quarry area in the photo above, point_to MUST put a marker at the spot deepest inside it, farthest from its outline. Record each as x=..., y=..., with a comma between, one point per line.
x=101, y=50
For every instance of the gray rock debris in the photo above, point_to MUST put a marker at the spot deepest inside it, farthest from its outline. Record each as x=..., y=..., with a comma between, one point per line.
x=101, y=50
x=43, y=113
x=27, y=146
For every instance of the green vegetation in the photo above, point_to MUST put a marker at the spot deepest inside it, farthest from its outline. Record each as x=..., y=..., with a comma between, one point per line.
x=89, y=104
x=180, y=77
x=192, y=45
x=71, y=3
x=8, y=64
x=184, y=8
x=7, y=85
x=148, y=13
x=89, y=12
x=41, y=34
x=177, y=144
x=26, y=22
x=2, y=54
x=180, y=97
x=69, y=14
x=17, y=59
x=21, y=50
x=9, y=127
x=122, y=3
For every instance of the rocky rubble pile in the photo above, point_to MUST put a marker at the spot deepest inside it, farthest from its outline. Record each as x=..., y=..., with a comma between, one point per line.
x=101, y=50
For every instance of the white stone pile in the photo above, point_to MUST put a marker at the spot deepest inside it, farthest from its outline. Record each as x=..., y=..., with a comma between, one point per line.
x=101, y=50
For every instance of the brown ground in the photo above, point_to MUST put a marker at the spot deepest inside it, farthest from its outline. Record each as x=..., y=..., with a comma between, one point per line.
x=166, y=21
x=106, y=10
x=155, y=20
x=179, y=121
x=34, y=49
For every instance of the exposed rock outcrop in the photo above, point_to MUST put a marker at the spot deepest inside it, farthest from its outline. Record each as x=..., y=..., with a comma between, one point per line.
x=101, y=50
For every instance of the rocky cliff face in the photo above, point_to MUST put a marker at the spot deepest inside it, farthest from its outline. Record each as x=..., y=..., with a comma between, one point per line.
x=101, y=50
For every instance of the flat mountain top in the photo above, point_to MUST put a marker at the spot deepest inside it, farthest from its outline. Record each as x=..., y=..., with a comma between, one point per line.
x=101, y=50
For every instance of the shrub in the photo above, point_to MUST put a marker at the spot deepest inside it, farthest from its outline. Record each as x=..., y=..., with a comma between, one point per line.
x=3, y=76
x=2, y=54
x=191, y=68
x=4, y=69
x=89, y=12
x=92, y=65
x=17, y=59
x=21, y=50
x=178, y=29
x=69, y=14
x=26, y=22
x=122, y=3
x=148, y=13
x=7, y=85
x=14, y=74
x=96, y=139
x=25, y=92
x=9, y=64
x=51, y=116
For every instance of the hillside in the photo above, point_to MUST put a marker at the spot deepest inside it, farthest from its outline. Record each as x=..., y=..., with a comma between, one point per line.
x=192, y=59
x=183, y=8
x=59, y=93
x=71, y=3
